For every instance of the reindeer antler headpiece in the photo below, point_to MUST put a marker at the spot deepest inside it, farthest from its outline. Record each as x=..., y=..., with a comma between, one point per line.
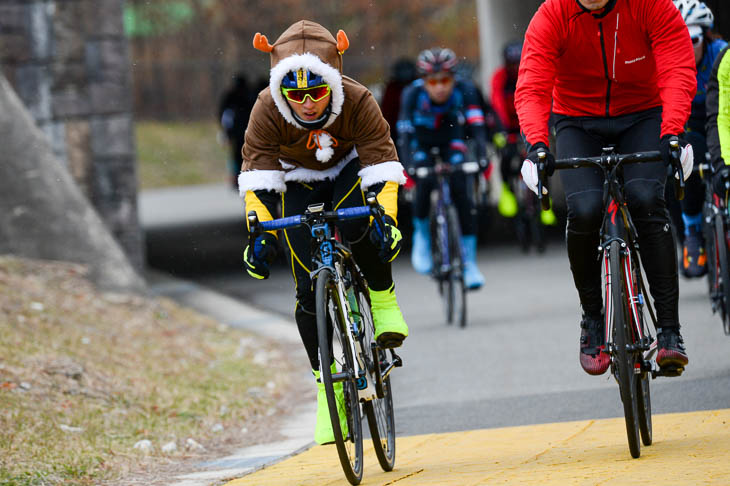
x=309, y=46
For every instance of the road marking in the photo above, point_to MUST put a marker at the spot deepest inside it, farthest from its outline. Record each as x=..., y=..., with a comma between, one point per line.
x=689, y=448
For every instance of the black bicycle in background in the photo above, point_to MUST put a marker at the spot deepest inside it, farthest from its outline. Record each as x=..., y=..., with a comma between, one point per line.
x=446, y=251
x=528, y=223
x=629, y=341
x=716, y=224
x=346, y=335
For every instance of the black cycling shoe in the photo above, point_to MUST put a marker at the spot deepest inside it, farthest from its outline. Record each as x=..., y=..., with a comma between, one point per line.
x=672, y=355
x=593, y=357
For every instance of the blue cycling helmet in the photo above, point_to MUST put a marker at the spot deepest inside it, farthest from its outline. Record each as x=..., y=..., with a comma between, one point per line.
x=302, y=78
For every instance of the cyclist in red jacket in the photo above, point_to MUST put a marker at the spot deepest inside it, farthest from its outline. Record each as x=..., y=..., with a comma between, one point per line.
x=618, y=72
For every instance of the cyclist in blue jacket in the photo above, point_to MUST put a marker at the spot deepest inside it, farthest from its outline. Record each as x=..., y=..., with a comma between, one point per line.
x=443, y=111
x=699, y=20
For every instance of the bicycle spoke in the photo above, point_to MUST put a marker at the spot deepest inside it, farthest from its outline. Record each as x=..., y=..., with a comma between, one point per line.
x=624, y=360
x=330, y=318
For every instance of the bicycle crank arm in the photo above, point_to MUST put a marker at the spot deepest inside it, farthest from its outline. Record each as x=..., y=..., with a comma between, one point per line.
x=396, y=363
x=376, y=371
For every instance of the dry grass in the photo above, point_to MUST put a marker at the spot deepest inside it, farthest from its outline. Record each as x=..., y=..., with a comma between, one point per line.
x=179, y=154
x=121, y=369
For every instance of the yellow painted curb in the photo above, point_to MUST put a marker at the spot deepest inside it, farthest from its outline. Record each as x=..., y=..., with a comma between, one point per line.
x=689, y=448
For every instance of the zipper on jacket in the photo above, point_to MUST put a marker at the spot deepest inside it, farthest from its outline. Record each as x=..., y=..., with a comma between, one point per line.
x=605, y=68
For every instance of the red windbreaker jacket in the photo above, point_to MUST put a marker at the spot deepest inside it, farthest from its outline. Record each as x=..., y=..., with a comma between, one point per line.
x=629, y=57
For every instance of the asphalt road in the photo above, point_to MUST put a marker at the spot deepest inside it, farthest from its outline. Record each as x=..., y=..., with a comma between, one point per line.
x=516, y=362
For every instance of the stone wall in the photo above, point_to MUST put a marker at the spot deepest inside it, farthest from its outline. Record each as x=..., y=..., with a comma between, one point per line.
x=68, y=61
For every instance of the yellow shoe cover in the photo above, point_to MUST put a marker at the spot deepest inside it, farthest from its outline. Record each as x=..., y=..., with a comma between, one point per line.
x=507, y=205
x=548, y=217
x=390, y=327
x=323, y=433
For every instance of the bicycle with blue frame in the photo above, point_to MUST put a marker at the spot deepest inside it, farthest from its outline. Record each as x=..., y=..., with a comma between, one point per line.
x=628, y=339
x=446, y=251
x=346, y=334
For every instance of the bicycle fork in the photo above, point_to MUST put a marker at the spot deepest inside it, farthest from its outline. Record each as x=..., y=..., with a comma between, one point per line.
x=639, y=337
x=615, y=233
x=364, y=386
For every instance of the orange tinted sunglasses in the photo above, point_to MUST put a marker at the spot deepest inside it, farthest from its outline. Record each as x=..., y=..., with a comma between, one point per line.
x=436, y=81
x=299, y=95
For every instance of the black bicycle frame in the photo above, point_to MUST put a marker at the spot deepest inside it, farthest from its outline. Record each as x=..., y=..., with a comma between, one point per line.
x=443, y=201
x=617, y=227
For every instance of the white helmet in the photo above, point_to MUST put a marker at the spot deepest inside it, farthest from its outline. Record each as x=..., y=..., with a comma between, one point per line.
x=695, y=12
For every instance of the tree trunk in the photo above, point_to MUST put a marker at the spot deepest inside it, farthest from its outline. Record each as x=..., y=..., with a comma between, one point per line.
x=43, y=213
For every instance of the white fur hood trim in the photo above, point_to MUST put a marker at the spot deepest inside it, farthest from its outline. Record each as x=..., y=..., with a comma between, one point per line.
x=314, y=64
x=300, y=174
x=267, y=180
x=383, y=172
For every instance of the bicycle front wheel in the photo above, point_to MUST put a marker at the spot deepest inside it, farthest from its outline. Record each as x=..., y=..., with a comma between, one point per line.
x=379, y=411
x=331, y=316
x=457, y=289
x=624, y=360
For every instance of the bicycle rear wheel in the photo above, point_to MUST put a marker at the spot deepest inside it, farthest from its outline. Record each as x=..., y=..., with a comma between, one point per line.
x=708, y=229
x=533, y=213
x=624, y=360
x=379, y=411
x=457, y=288
x=330, y=311
x=724, y=273
x=441, y=254
x=643, y=392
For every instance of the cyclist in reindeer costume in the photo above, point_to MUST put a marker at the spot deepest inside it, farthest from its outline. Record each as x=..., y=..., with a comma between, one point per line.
x=316, y=136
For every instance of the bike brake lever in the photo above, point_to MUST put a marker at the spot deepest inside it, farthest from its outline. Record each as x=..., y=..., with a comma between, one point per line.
x=376, y=212
x=253, y=228
x=544, y=201
x=679, y=182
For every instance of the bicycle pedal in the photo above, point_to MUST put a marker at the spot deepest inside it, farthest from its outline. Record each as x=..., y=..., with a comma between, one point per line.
x=669, y=371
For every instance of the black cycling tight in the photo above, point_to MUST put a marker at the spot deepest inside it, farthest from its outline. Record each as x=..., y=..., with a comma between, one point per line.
x=644, y=190
x=343, y=192
x=459, y=196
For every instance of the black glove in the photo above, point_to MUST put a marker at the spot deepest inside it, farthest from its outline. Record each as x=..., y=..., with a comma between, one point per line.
x=258, y=259
x=549, y=159
x=388, y=246
x=719, y=177
x=665, y=149
x=682, y=156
